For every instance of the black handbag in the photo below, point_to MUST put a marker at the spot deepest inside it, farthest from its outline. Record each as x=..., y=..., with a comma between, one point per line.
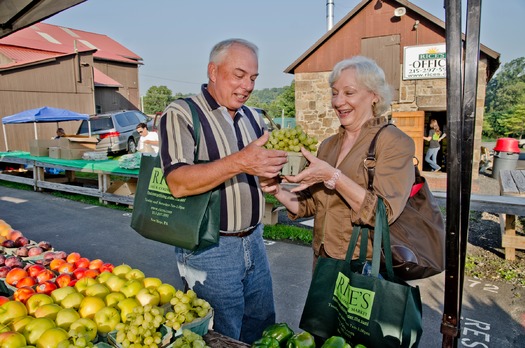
x=190, y=222
x=417, y=237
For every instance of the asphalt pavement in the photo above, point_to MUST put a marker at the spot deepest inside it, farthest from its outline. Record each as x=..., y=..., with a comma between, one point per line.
x=493, y=314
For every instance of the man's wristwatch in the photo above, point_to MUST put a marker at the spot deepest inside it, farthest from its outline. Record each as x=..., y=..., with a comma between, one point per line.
x=330, y=184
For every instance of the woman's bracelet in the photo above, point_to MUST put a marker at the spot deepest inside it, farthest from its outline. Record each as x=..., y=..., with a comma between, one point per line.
x=330, y=184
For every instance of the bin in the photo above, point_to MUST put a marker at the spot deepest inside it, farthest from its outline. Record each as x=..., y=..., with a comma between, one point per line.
x=506, y=155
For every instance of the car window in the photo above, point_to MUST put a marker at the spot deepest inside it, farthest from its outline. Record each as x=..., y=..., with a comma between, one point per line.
x=97, y=124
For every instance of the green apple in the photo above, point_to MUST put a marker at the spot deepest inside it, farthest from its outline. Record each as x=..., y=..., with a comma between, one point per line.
x=115, y=283
x=99, y=290
x=126, y=307
x=11, y=310
x=36, y=301
x=49, y=310
x=151, y=282
x=90, y=305
x=166, y=292
x=135, y=273
x=82, y=284
x=132, y=287
x=19, y=323
x=52, y=337
x=72, y=300
x=113, y=298
x=59, y=294
x=102, y=277
x=65, y=317
x=148, y=296
x=107, y=319
x=85, y=326
x=36, y=327
x=121, y=270
x=12, y=340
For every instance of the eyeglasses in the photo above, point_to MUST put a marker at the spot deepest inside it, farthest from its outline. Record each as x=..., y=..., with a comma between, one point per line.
x=140, y=131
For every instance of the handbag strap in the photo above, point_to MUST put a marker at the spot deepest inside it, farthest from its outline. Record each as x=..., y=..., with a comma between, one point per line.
x=370, y=161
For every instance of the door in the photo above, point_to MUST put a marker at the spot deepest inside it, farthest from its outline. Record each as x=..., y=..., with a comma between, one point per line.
x=413, y=124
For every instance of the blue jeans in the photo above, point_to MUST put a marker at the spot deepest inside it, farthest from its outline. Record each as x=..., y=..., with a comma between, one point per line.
x=234, y=277
x=431, y=157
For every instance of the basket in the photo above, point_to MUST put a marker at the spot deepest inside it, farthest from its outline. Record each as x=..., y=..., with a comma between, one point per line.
x=200, y=326
x=167, y=336
x=296, y=163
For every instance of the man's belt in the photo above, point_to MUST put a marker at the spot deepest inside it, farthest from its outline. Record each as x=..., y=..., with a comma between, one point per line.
x=240, y=234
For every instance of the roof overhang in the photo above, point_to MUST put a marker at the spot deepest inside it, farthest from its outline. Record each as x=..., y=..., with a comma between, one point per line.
x=18, y=14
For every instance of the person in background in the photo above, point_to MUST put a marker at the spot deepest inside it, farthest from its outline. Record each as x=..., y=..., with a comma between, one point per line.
x=149, y=141
x=333, y=188
x=434, y=138
x=234, y=275
x=60, y=133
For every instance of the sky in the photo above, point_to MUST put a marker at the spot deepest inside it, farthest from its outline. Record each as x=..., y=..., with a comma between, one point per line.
x=174, y=37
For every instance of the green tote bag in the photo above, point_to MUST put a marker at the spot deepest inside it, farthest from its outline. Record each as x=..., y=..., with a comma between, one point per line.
x=350, y=298
x=190, y=222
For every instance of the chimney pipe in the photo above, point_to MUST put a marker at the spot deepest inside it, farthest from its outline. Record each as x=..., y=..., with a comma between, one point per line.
x=329, y=14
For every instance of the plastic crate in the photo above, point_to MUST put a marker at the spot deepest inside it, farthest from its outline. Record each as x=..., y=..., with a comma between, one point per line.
x=200, y=326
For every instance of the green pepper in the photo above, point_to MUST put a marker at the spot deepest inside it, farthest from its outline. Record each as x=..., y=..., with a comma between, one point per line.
x=301, y=340
x=336, y=342
x=280, y=331
x=266, y=342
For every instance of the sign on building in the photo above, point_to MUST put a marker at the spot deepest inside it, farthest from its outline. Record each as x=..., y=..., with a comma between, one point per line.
x=425, y=62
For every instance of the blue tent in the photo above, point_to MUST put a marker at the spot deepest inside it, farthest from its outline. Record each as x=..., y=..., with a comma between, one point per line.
x=43, y=114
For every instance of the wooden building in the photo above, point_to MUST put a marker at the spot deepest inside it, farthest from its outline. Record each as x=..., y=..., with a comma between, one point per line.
x=409, y=44
x=48, y=65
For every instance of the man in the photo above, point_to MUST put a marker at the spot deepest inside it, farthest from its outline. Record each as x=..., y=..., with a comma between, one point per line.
x=149, y=141
x=233, y=276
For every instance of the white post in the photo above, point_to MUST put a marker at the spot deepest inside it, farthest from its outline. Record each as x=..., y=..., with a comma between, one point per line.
x=282, y=118
x=36, y=133
x=5, y=137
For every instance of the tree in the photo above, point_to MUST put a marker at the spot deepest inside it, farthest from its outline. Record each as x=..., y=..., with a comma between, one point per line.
x=156, y=99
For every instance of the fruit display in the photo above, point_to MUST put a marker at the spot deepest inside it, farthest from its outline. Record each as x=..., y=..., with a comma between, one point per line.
x=60, y=299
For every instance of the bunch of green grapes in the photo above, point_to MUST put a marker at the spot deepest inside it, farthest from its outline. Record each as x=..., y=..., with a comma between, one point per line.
x=291, y=139
x=186, y=308
x=76, y=340
x=189, y=339
x=141, y=328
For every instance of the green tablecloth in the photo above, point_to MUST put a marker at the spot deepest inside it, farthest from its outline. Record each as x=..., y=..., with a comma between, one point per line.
x=106, y=166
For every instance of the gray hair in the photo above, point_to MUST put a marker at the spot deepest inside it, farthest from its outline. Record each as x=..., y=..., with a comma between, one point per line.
x=369, y=75
x=217, y=52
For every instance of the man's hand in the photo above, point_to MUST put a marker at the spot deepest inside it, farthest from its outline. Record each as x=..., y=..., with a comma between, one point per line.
x=259, y=161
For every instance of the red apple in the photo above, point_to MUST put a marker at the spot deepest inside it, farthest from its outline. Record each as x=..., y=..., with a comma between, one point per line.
x=26, y=281
x=55, y=263
x=79, y=272
x=60, y=254
x=21, y=241
x=14, y=275
x=34, y=269
x=8, y=243
x=66, y=267
x=22, y=251
x=34, y=251
x=14, y=262
x=22, y=294
x=95, y=264
x=45, y=275
x=48, y=255
x=2, y=259
x=106, y=267
x=45, y=245
x=72, y=257
x=63, y=279
x=82, y=262
x=46, y=287
x=91, y=273
x=4, y=270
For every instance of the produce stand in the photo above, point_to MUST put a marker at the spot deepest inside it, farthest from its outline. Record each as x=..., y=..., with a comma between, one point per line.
x=103, y=168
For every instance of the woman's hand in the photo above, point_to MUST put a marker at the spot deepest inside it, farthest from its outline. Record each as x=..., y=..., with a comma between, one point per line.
x=317, y=171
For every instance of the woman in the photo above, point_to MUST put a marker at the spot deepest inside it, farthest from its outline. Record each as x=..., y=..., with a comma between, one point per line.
x=434, y=138
x=333, y=187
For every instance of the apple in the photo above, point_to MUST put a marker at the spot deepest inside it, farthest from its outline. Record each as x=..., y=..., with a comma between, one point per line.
x=113, y=298
x=107, y=319
x=26, y=281
x=23, y=293
x=82, y=284
x=106, y=267
x=102, y=277
x=36, y=327
x=5, y=327
x=122, y=269
x=90, y=305
x=60, y=254
x=45, y=245
x=95, y=264
x=135, y=273
x=97, y=289
x=132, y=287
x=126, y=307
x=8, y=243
x=19, y=323
x=65, y=317
x=2, y=259
x=55, y=263
x=82, y=262
x=48, y=255
x=11, y=310
x=166, y=292
x=66, y=267
x=91, y=273
x=4, y=299
x=115, y=283
x=72, y=257
x=21, y=241
x=14, y=262
x=72, y=300
x=34, y=251
x=151, y=282
x=79, y=272
x=52, y=337
x=12, y=340
x=36, y=301
x=45, y=274
x=148, y=296
x=34, y=269
x=85, y=326
x=59, y=294
x=14, y=234
x=46, y=287
x=14, y=275
x=49, y=310
x=4, y=270
x=22, y=251
x=63, y=279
